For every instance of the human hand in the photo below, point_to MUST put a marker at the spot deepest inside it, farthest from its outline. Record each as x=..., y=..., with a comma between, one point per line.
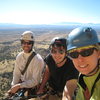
x=40, y=91
x=14, y=88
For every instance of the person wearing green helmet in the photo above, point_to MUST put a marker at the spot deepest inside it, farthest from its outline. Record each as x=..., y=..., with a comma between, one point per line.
x=84, y=50
x=59, y=71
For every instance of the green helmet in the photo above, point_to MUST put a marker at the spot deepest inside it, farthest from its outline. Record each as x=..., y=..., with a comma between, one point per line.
x=82, y=36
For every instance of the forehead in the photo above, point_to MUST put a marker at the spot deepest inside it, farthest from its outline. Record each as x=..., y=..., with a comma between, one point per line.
x=57, y=47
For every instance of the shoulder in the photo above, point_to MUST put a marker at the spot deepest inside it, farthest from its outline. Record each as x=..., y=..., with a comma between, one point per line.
x=38, y=60
x=38, y=57
x=19, y=55
x=48, y=57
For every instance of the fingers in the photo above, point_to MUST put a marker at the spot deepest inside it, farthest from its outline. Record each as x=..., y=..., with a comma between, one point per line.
x=14, y=88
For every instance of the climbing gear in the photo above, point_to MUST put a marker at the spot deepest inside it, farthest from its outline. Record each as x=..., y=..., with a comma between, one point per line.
x=82, y=36
x=27, y=35
x=57, y=51
x=58, y=42
x=83, y=53
x=28, y=43
x=28, y=61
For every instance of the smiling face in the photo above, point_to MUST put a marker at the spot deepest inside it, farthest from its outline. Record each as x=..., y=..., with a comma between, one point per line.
x=87, y=64
x=27, y=45
x=58, y=54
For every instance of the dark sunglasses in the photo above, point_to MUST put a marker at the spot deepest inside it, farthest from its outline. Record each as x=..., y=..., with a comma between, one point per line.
x=84, y=53
x=57, y=51
x=28, y=43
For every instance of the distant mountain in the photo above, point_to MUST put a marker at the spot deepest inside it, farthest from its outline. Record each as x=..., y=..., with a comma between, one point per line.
x=12, y=25
x=76, y=23
x=64, y=24
x=67, y=23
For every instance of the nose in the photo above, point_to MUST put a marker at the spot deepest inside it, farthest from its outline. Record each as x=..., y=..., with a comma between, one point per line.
x=26, y=43
x=57, y=54
x=80, y=58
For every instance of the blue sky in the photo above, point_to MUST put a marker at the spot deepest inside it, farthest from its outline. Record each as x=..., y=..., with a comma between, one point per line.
x=49, y=11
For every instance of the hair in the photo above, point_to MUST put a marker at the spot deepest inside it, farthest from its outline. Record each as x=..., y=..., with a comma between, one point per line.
x=97, y=46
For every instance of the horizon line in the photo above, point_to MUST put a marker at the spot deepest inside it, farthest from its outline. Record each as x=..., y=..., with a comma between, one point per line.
x=56, y=23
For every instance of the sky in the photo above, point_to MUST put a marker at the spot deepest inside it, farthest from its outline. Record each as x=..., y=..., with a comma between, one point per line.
x=49, y=11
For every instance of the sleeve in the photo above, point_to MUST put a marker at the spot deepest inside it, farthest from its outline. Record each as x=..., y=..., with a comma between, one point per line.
x=37, y=69
x=16, y=72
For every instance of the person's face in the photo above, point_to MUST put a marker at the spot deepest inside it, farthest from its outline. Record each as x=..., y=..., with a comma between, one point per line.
x=26, y=46
x=86, y=64
x=58, y=53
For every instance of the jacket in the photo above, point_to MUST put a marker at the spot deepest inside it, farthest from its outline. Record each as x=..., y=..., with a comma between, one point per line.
x=93, y=86
x=32, y=76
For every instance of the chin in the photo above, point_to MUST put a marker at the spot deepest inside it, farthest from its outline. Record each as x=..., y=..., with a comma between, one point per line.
x=85, y=73
x=26, y=51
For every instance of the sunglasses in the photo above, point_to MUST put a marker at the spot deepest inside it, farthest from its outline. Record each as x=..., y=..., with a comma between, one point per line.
x=84, y=53
x=28, y=43
x=57, y=51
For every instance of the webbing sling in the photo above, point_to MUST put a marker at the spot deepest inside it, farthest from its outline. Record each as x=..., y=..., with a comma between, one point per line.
x=81, y=82
x=94, y=84
x=28, y=61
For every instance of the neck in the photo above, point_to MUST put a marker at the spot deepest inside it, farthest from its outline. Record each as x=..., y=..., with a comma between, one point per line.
x=61, y=63
x=94, y=71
